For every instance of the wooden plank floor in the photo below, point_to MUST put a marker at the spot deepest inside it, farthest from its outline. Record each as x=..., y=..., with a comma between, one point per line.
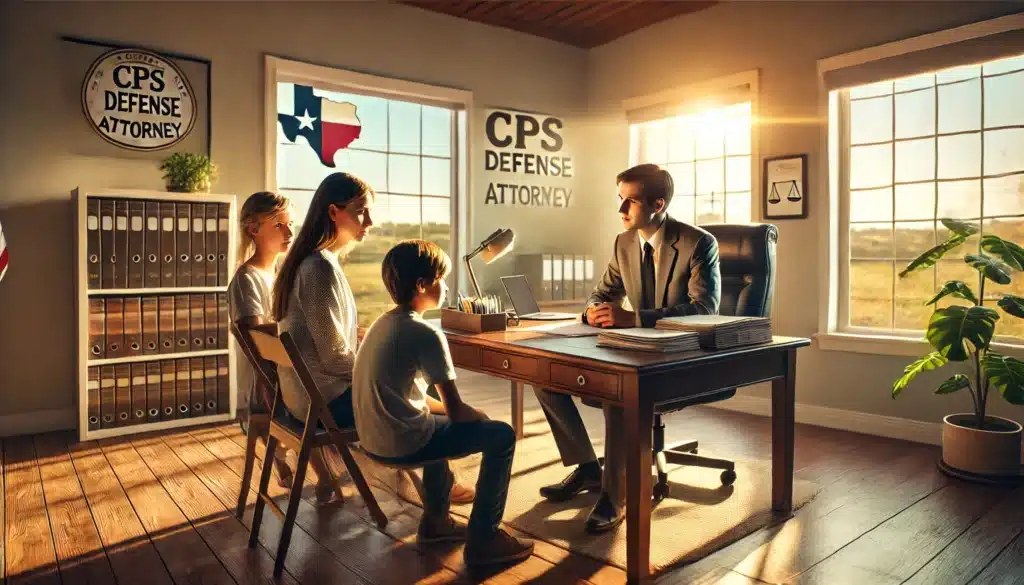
x=158, y=508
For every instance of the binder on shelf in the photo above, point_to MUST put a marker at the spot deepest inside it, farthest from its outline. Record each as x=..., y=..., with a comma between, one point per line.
x=169, y=258
x=132, y=326
x=122, y=394
x=210, y=384
x=212, y=235
x=222, y=320
x=211, y=320
x=93, y=388
x=151, y=278
x=107, y=257
x=197, y=330
x=196, y=388
x=183, y=245
x=97, y=328
x=579, y=285
x=198, y=244
x=119, y=253
x=223, y=384
x=151, y=246
x=182, y=398
x=92, y=244
x=181, y=334
x=115, y=327
x=150, y=326
x=136, y=243
x=223, y=243
x=556, y=277
x=108, y=395
x=568, y=292
x=138, y=393
x=166, y=323
x=153, y=391
x=168, y=384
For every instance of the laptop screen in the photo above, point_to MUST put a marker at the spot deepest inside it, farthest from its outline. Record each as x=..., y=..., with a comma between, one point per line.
x=519, y=293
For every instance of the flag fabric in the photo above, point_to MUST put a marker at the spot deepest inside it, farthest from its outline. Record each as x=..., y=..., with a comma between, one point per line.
x=328, y=126
x=3, y=253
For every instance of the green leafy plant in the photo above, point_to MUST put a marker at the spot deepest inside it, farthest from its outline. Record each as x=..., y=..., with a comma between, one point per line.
x=963, y=333
x=188, y=172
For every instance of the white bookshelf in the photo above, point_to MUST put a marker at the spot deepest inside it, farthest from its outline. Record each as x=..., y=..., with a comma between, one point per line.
x=83, y=294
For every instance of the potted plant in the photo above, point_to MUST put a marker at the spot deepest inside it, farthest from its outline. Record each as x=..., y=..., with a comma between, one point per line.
x=975, y=445
x=188, y=172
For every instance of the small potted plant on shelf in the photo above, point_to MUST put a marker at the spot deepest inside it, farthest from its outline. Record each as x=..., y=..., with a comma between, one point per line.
x=974, y=445
x=188, y=172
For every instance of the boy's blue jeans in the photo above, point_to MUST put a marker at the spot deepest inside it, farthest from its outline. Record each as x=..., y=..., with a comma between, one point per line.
x=453, y=440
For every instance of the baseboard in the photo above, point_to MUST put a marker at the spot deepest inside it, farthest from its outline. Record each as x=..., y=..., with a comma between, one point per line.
x=38, y=421
x=846, y=420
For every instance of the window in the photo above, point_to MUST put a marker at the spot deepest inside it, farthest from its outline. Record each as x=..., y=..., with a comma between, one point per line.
x=407, y=149
x=708, y=155
x=912, y=151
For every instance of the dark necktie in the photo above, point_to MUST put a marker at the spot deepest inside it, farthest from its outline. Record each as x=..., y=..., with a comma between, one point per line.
x=647, y=278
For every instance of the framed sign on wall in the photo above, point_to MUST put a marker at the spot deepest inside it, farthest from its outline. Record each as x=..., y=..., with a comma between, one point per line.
x=784, y=192
x=135, y=102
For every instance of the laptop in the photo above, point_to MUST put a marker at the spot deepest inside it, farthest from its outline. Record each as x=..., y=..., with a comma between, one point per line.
x=525, y=304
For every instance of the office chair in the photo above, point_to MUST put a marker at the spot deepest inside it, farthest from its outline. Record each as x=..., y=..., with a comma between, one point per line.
x=747, y=263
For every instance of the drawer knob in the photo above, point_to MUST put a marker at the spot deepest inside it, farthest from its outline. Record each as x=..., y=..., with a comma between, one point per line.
x=581, y=380
x=504, y=364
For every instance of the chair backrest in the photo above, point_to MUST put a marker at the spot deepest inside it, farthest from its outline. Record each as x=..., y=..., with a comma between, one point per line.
x=282, y=351
x=265, y=371
x=747, y=262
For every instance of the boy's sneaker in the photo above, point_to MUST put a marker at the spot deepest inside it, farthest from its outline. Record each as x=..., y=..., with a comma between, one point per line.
x=502, y=547
x=445, y=529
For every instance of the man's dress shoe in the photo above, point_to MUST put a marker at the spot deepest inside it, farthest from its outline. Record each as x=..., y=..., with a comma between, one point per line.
x=604, y=516
x=580, y=480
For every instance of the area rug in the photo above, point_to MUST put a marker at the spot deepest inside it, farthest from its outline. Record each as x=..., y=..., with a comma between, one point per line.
x=699, y=517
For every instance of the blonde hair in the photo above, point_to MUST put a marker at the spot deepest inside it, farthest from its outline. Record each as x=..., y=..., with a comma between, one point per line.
x=258, y=206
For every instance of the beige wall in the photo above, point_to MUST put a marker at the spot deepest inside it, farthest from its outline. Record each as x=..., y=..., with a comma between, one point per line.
x=783, y=40
x=37, y=328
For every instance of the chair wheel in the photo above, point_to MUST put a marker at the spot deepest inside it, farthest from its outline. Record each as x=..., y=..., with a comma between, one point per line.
x=660, y=492
x=728, y=476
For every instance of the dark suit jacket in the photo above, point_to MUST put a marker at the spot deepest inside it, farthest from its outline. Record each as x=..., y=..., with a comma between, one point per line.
x=688, y=278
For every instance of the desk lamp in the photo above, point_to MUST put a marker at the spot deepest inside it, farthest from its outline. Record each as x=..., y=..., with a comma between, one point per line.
x=493, y=247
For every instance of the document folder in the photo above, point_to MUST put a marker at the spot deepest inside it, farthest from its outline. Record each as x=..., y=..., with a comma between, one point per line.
x=138, y=393
x=211, y=320
x=196, y=389
x=210, y=384
x=167, y=388
x=197, y=329
x=115, y=327
x=183, y=245
x=198, y=244
x=181, y=310
x=222, y=321
x=93, y=398
x=132, y=326
x=108, y=396
x=97, y=329
x=223, y=385
x=169, y=259
x=222, y=244
x=153, y=391
x=136, y=242
x=92, y=243
x=107, y=257
x=151, y=249
x=181, y=387
x=119, y=254
x=212, y=235
x=165, y=306
x=150, y=328
x=123, y=394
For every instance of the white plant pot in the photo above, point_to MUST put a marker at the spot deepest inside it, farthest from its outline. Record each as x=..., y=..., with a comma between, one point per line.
x=994, y=452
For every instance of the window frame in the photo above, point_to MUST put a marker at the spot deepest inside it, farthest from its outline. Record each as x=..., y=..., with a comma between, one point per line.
x=700, y=96
x=279, y=69
x=834, y=256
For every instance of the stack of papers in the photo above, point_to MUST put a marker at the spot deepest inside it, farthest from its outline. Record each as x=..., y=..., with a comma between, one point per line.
x=640, y=339
x=720, y=331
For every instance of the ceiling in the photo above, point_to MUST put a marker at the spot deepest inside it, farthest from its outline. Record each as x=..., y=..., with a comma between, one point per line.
x=581, y=23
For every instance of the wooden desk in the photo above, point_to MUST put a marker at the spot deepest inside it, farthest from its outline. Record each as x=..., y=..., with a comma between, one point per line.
x=637, y=382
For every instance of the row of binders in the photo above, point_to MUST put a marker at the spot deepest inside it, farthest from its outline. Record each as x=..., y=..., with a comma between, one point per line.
x=691, y=332
x=135, y=243
x=129, y=326
x=145, y=392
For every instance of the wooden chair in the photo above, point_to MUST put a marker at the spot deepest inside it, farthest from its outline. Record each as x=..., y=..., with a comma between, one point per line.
x=318, y=430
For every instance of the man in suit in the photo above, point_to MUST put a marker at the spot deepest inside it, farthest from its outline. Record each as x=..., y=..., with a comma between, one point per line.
x=665, y=268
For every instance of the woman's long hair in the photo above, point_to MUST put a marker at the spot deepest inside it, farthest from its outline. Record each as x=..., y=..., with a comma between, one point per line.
x=317, y=231
x=259, y=205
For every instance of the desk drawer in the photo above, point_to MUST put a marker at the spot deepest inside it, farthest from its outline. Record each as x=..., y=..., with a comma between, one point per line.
x=585, y=381
x=502, y=362
x=464, y=356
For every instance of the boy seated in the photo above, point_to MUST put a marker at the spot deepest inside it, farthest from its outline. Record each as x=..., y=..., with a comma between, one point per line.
x=399, y=422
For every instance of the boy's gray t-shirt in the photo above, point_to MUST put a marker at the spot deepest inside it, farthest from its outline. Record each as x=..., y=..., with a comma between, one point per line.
x=400, y=357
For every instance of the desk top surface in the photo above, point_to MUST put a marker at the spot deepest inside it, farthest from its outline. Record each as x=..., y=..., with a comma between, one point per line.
x=586, y=348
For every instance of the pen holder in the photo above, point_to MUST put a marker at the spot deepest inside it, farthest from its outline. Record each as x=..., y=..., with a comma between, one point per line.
x=474, y=322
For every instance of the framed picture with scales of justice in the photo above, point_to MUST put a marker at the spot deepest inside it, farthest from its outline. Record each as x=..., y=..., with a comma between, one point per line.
x=784, y=191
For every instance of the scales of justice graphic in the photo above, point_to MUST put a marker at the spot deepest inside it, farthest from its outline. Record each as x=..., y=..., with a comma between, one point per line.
x=790, y=187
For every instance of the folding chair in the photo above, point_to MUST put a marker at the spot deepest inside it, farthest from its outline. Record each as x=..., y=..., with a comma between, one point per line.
x=318, y=430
